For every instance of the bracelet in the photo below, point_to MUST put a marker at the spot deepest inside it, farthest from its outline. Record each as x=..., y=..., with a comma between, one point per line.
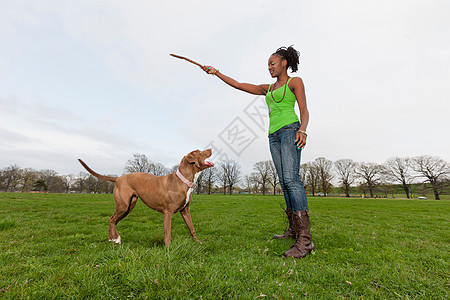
x=214, y=73
x=304, y=132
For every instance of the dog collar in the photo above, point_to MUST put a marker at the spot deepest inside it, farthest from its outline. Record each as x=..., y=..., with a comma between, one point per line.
x=189, y=184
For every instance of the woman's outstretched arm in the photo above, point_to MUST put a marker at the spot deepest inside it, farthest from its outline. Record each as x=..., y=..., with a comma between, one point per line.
x=246, y=87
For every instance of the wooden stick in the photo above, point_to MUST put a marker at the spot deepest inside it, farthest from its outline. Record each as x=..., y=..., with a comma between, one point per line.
x=189, y=60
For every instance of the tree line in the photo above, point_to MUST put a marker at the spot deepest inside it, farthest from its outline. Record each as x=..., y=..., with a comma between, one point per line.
x=369, y=179
x=431, y=173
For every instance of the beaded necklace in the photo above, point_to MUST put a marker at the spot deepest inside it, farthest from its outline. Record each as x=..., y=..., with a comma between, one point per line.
x=273, y=99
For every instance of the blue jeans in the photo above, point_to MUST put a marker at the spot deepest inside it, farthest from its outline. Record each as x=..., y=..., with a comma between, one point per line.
x=286, y=158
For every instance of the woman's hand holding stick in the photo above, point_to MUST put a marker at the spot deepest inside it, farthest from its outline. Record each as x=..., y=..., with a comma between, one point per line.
x=207, y=69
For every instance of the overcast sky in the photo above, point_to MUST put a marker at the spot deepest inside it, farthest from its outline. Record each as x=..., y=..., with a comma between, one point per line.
x=94, y=79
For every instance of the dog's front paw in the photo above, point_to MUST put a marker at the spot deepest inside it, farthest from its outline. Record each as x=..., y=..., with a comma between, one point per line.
x=116, y=241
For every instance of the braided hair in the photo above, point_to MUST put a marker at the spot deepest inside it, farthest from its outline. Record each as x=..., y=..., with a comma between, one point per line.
x=290, y=55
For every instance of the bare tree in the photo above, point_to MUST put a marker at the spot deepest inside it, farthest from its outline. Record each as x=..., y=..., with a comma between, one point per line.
x=262, y=174
x=67, y=181
x=96, y=185
x=199, y=183
x=234, y=174
x=312, y=176
x=303, y=172
x=158, y=169
x=230, y=173
x=109, y=186
x=399, y=170
x=254, y=181
x=175, y=168
x=2, y=180
x=80, y=182
x=248, y=182
x=209, y=177
x=52, y=180
x=223, y=178
x=29, y=177
x=273, y=176
x=371, y=175
x=324, y=167
x=11, y=177
x=434, y=170
x=345, y=169
x=139, y=163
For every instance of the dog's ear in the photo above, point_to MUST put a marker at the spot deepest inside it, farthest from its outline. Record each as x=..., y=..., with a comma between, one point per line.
x=192, y=159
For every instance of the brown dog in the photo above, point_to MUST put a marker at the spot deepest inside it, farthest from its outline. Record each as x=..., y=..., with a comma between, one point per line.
x=167, y=194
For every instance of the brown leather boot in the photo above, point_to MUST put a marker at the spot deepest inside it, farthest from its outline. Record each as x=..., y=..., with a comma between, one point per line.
x=303, y=244
x=290, y=232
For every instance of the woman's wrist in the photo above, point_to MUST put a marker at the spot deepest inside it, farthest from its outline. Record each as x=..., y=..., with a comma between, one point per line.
x=211, y=70
x=214, y=73
x=302, y=131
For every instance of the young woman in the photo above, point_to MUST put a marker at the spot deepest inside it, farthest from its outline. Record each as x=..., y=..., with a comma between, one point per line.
x=287, y=138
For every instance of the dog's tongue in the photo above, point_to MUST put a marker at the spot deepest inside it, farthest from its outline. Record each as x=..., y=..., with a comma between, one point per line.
x=208, y=163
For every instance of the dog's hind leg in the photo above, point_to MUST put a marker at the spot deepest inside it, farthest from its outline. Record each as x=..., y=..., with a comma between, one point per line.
x=188, y=220
x=124, y=202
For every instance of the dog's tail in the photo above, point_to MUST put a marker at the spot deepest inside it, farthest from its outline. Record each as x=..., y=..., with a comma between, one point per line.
x=109, y=178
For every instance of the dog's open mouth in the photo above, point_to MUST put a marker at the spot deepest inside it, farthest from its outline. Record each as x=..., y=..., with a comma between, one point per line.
x=208, y=163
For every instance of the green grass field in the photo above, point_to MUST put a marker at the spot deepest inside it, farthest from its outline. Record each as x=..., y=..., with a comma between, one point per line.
x=54, y=246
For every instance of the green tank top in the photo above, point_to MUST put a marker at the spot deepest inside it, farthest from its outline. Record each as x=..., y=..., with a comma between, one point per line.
x=281, y=110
